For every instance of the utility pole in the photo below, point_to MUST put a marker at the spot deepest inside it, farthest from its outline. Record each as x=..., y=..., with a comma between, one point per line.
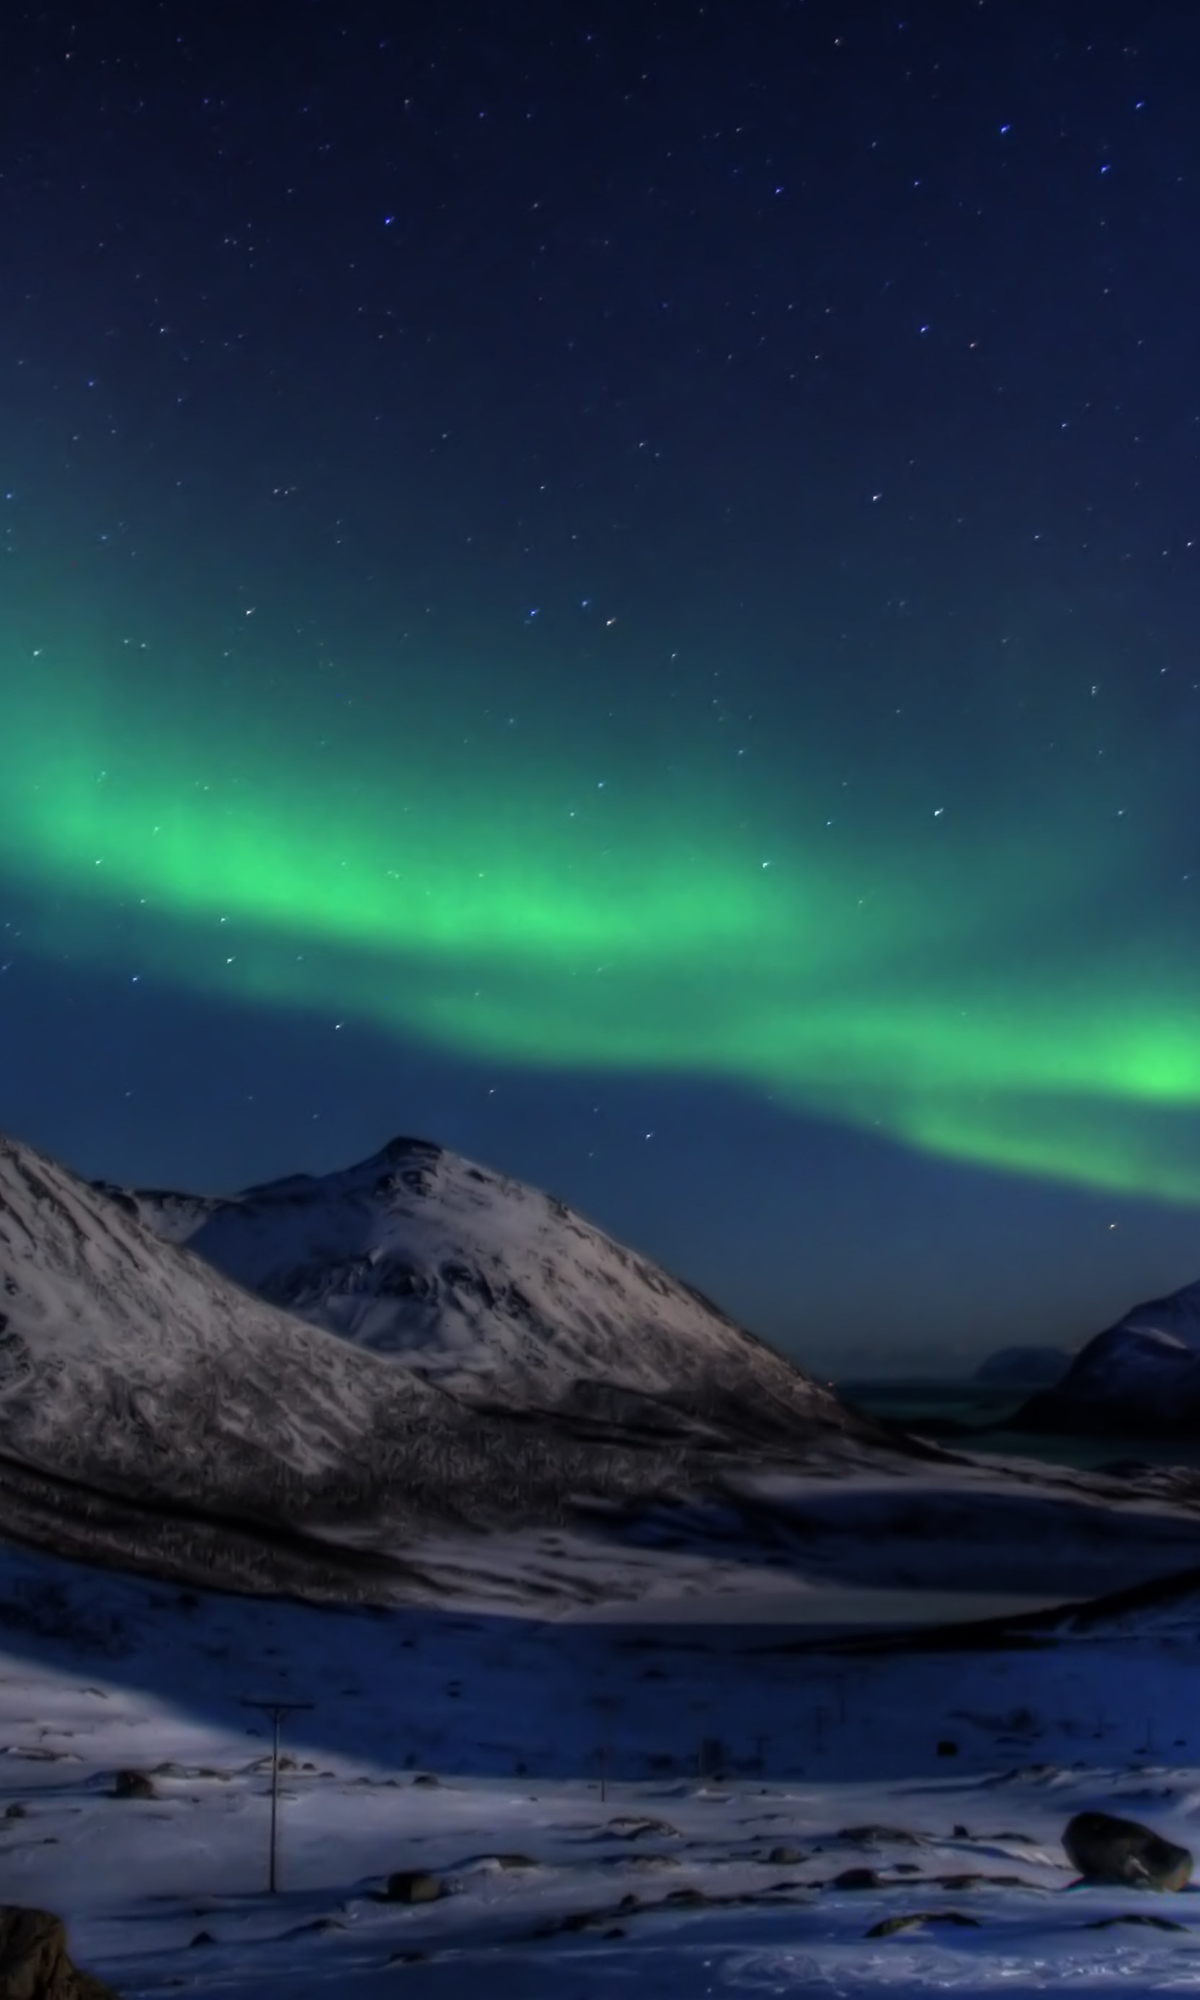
x=276, y=1710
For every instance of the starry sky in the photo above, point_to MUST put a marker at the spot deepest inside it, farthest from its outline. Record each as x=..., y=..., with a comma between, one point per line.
x=617, y=587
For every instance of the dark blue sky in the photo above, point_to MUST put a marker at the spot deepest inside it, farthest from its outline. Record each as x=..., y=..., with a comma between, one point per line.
x=617, y=588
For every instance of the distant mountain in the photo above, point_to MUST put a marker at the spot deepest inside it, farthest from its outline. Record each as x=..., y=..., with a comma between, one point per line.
x=1022, y=1367
x=498, y=1292
x=154, y=1413
x=1139, y=1377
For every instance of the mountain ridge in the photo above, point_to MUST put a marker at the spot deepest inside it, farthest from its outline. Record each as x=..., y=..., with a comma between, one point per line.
x=493, y=1290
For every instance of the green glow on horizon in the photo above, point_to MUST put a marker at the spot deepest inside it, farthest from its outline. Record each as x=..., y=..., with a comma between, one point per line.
x=499, y=900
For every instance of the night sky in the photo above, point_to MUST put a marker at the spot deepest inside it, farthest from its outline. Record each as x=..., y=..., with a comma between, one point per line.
x=618, y=587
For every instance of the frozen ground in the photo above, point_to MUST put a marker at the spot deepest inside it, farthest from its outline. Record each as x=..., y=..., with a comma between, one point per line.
x=608, y=1799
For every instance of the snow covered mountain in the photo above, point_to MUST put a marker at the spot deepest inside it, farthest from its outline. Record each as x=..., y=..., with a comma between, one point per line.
x=497, y=1292
x=154, y=1413
x=1141, y=1376
x=146, y=1401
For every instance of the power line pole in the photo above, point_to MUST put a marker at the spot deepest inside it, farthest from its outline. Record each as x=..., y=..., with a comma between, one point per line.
x=276, y=1710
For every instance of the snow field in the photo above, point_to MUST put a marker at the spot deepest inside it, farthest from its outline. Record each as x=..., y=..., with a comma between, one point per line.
x=831, y=1756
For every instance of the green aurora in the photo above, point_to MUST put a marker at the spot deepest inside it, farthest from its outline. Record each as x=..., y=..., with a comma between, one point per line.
x=912, y=973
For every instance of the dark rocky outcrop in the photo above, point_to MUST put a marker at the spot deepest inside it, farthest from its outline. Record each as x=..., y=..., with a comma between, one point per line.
x=412, y=1885
x=35, y=1963
x=916, y=1920
x=1109, y=1850
x=133, y=1785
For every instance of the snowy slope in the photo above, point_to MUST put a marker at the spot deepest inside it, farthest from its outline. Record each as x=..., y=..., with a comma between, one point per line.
x=771, y=1822
x=1140, y=1376
x=495, y=1291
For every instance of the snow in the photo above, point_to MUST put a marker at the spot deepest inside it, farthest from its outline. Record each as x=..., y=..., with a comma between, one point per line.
x=718, y=1743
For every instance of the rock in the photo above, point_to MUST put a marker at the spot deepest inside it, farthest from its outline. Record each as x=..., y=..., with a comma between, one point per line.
x=630, y=1826
x=201, y=1937
x=947, y=1748
x=426, y=1778
x=412, y=1885
x=133, y=1785
x=916, y=1920
x=1110, y=1850
x=1135, y=1917
x=35, y=1963
x=784, y=1857
x=858, y=1878
x=16, y=1810
x=576, y=1920
x=864, y=1836
x=511, y=1860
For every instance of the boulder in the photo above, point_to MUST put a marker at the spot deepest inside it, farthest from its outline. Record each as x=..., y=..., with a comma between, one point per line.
x=412, y=1885
x=1110, y=1850
x=133, y=1785
x=1136, y=1917
x=917, y=1920
x=635, y=1826
x=857, y=1878
x=35, y=1963
x=873, y=1836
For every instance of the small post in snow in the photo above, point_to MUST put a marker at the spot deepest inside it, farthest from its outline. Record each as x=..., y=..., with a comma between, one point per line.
x=275, y=1709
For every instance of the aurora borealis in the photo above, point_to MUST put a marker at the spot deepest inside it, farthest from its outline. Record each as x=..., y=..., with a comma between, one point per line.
x=470, y=902
x=642, y=561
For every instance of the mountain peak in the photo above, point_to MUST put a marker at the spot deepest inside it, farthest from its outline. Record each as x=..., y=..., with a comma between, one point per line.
x=492, y=1289
x=1141, y=1375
